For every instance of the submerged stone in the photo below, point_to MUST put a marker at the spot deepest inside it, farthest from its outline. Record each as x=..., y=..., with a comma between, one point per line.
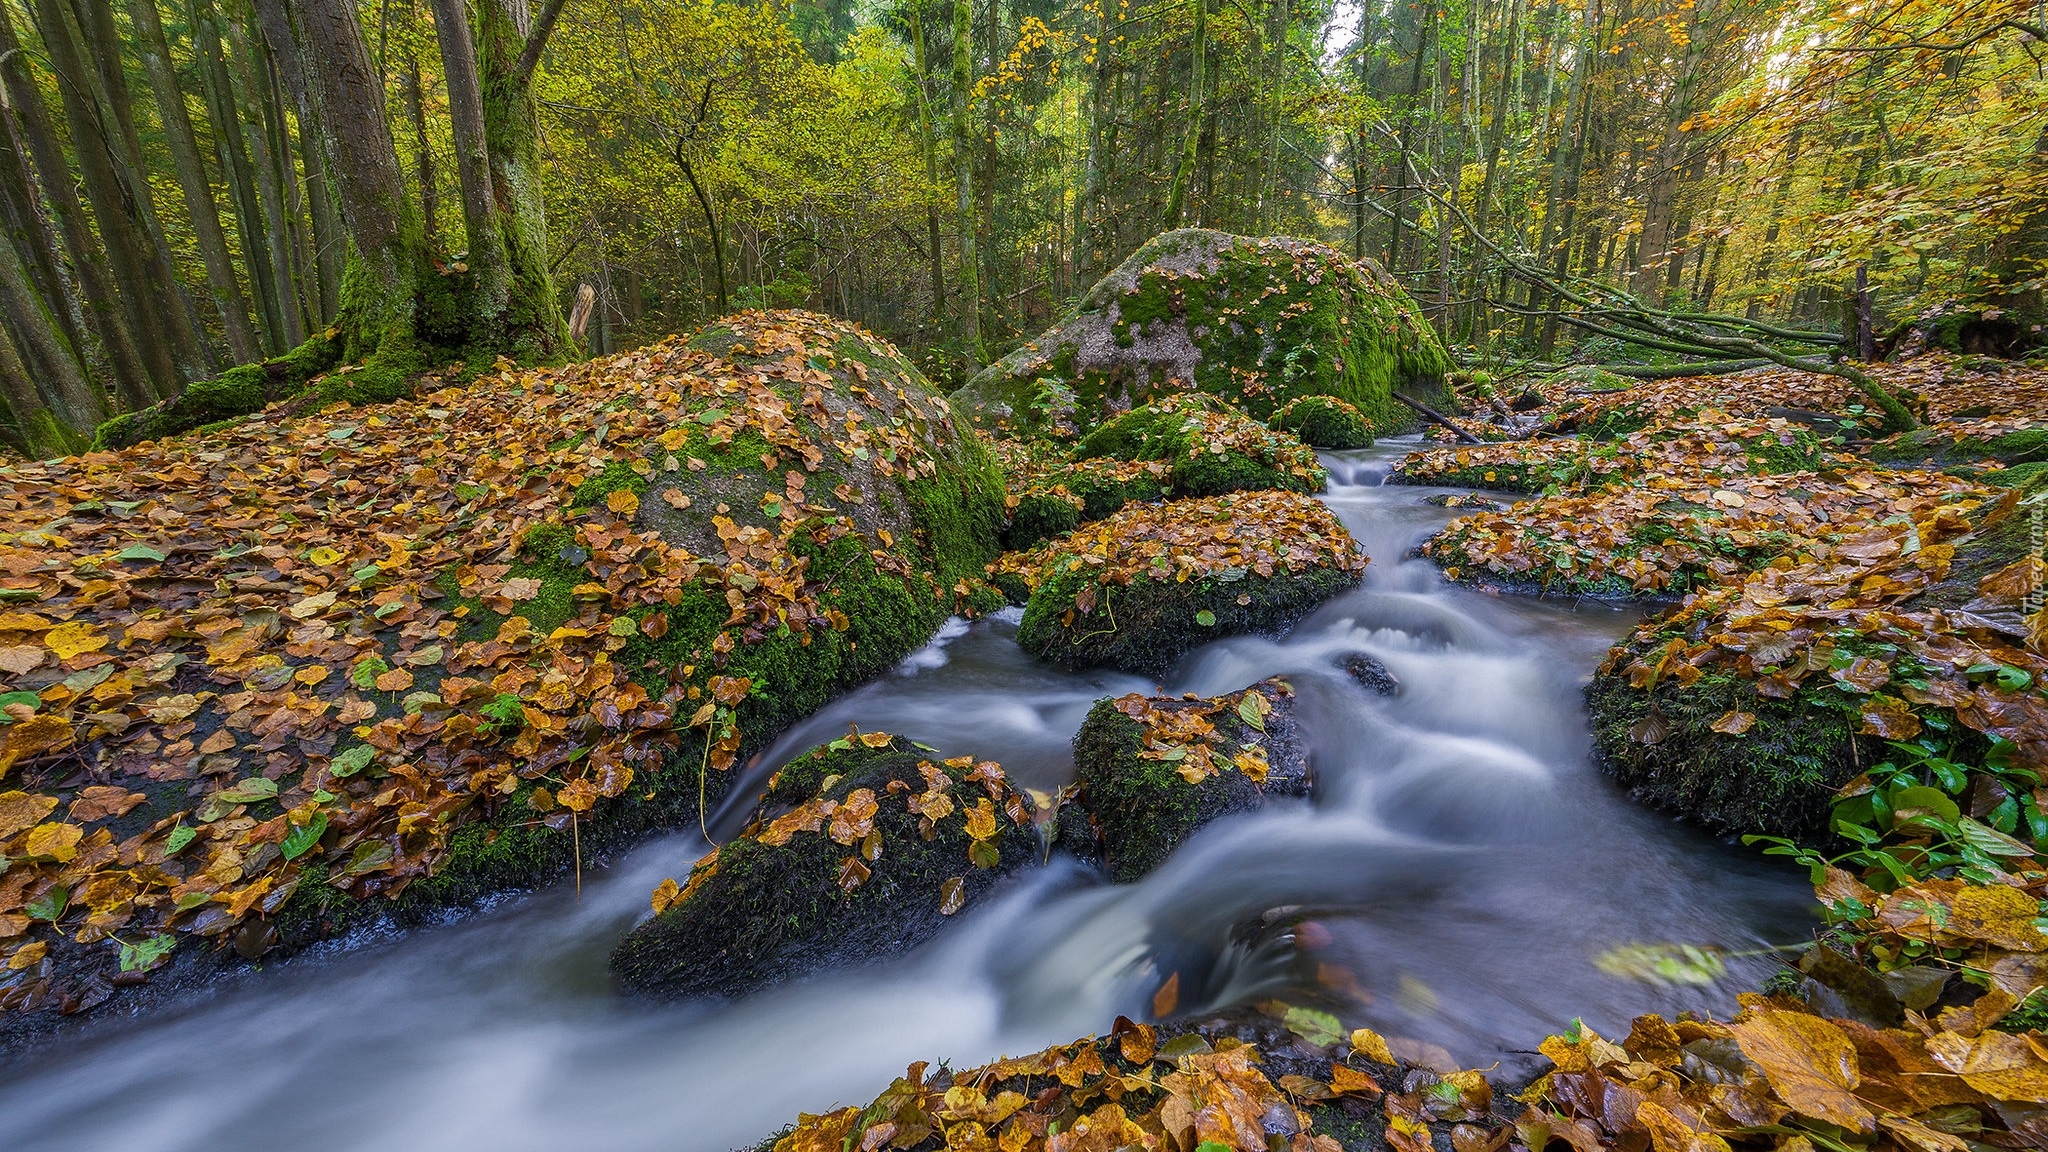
x=1154, y=769
x=1257, y=322
x=862, y=849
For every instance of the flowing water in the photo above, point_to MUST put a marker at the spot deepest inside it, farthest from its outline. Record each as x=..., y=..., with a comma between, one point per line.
x=1460, y=869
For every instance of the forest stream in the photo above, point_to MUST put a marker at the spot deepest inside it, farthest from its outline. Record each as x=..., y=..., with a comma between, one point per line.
x=1464, y=864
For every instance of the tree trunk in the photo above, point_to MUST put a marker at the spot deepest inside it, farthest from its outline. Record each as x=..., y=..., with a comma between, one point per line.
x=531, y=326
x=429, y=191
x=78, y=404
x=1176, y=200
x=132, y=273
x=928, y=143
x=378, y=305
x=486, y=246
x=52, y=174
x=188, y=344
x=969, y=295
x=192, y=180
x=240, y=174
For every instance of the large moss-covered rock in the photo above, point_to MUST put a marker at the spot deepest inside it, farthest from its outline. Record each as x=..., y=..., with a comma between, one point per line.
x=1209, y=448
x=425, y=650
x=1144, y=587
x=862, y=850
x=1153, y=770
x=1256, y=322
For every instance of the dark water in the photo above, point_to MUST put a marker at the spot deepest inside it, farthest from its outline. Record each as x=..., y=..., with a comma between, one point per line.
x=1460, y=870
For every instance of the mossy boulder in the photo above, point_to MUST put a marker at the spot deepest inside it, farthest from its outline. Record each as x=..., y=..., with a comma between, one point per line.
x=1323, y=422
x=425, y=650
x=1144, y=587
x=1154, y=769
x=1748, y=709
x=1209, y=449
x=862, y=850
x=1776, y=778
x=1257, y=322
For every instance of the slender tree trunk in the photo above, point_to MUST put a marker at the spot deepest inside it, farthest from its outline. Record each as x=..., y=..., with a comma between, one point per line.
x=330, y=248
x=33, y=429
x=77, y=402
x=929, y=145
x=429, y=187
x=533, y=324
x=1176, y=201
x=132, y=273
x=486, y=255
x=189, y=346
x=969, y=295
x=102, y=308
x=347, y=108
x=240, y=174
x=192, y=180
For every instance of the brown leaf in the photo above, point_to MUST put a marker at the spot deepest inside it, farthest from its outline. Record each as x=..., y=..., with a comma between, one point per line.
x=99, y=801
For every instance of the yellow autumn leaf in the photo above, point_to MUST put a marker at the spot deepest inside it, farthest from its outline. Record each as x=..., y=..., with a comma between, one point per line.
x=20, y=810
x=1371, y=1045
x=75, y=639
x=623, y=501
x=30, y=737
x=665, y=894
x=57, y=842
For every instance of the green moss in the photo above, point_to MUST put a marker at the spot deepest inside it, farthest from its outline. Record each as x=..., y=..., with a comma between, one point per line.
x=1185, y=431
x=772, y=912
x=1042, y=516
x=1143, y=808
x=1266, y=321
x=1324, y=422
x=613, y=477
x=1777, y=779
x=1146, y=626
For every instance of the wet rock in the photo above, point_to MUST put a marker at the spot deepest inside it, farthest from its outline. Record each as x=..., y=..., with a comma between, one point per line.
x=1154, y=769
x=1144, y=587
x=1370, y=674
x=1255, y=322
x=862, y=850
x=1209, y=448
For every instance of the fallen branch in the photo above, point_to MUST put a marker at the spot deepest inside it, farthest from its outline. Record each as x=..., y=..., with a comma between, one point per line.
x=1674, y=371
x=1434, y=416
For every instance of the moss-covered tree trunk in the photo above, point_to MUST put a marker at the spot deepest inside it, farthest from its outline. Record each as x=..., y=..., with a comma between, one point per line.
x=530, y=324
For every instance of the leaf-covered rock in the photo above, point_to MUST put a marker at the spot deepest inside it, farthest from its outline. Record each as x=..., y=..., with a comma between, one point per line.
x=862, y=849
x=1323, y=422
x=400, y=650
x=1153, y=770
x=1209, y=448
x=1753, y=704
x=1254, y=322
x=1142, y=588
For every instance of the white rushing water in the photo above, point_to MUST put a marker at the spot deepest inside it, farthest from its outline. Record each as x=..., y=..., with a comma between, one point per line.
x=1462, y=866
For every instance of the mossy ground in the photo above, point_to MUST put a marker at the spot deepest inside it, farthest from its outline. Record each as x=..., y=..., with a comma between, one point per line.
x=767, y=913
